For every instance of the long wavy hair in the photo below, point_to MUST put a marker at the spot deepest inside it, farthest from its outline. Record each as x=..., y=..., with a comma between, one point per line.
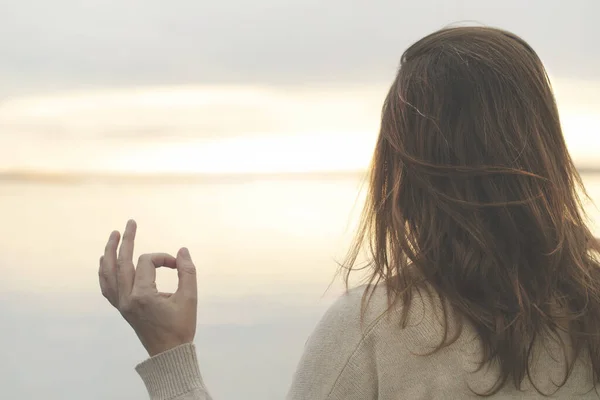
x=473, y=192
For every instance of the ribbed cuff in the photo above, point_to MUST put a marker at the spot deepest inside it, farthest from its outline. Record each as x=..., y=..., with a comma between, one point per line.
x=172, y=373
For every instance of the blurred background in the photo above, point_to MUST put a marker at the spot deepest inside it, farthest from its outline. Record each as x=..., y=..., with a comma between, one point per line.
x=239, y=129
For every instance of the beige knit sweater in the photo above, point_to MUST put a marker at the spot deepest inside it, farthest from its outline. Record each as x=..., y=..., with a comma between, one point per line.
x=348, y=360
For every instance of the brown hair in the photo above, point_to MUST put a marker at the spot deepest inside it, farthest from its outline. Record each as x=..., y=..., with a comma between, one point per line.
x=472, y=191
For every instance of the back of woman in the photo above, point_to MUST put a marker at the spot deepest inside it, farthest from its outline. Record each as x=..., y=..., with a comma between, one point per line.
x=354, y=355
x=483, y=276
x=474, y=200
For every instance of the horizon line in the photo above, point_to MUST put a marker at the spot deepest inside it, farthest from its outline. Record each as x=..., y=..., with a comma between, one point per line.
x=61, y=177
x=78, y=177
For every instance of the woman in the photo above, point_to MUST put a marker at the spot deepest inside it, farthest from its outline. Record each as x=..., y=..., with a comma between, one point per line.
x=484, y=278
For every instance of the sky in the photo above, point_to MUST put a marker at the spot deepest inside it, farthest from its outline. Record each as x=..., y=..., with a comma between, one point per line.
x=235, y=86
x=77, y=44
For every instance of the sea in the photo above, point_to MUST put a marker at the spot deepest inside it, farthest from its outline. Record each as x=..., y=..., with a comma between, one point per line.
x=266, y=249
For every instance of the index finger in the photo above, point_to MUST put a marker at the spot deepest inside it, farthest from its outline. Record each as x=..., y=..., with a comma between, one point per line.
x=126, y=249
x=125, y=268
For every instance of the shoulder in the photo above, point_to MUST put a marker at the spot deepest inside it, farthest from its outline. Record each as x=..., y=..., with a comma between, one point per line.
x=344, y=325
x=359, y=309
x=367, y=308
x=345, y=348
x=362, y=318
x=362, y=321
x=333, y=349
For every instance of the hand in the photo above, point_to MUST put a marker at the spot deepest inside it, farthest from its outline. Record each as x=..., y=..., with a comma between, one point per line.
x=160, y=320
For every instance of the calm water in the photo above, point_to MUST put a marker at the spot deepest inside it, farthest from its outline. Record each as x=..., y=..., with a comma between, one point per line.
x=265, y=250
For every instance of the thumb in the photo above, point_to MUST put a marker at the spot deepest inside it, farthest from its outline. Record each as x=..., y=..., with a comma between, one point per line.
x=186, y=271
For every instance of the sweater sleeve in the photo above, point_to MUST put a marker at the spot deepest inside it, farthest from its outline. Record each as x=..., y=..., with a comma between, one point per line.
x=174, y=375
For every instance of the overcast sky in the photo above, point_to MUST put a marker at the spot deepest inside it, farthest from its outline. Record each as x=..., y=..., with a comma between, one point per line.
x=66, y=44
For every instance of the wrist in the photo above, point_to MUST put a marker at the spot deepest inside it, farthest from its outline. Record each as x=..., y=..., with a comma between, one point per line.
x=159, y=348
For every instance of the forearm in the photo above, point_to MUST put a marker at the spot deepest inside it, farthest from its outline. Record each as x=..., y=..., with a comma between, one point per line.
x=174, y=375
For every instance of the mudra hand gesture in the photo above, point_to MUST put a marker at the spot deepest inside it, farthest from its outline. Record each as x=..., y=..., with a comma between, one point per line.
x=161, y=321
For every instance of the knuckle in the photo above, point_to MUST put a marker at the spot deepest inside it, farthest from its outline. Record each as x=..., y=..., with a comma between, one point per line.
x=143, y=258
x=188, y=269
x=131, y=305
x=108, y=295
x=126, y=308
x=137, y=301
x=133, y=301
x=103, y=274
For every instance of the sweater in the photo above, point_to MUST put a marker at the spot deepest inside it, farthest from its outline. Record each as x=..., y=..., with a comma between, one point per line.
x=352, y=358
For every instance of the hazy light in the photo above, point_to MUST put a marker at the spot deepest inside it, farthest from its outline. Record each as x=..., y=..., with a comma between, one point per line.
x=293, y=153
x=221, y=129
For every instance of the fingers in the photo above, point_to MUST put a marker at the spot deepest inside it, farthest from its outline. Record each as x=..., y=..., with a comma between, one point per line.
x=119, y=278
x=145, y=273
x=103, y=278
x=108, y=269
x=186, y=270
x=125, y=268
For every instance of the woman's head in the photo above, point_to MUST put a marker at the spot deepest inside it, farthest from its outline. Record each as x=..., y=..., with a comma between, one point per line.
x=473, y=191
